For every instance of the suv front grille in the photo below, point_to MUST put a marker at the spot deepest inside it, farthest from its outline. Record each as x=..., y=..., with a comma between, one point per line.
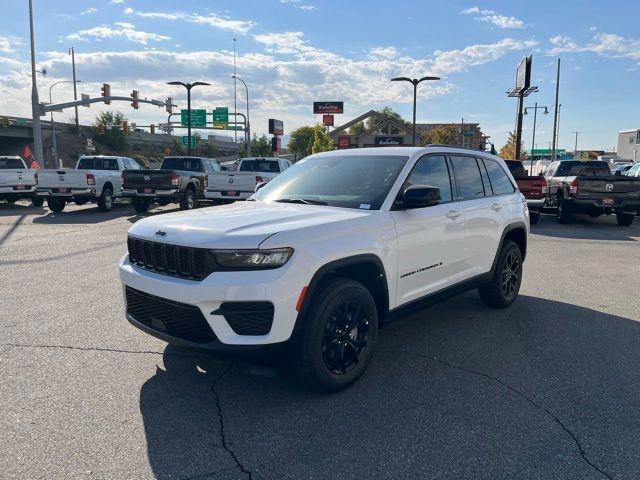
x=178, y=320
x=174, y=260
x=247, y=318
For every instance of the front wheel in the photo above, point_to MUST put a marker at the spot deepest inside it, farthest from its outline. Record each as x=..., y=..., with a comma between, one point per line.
x=338, y=336
x=105, y=202
x=56, y=204
x=141, y=205
x=188, y=200
x=504, y=286
x=624, y=219
x=37, y=201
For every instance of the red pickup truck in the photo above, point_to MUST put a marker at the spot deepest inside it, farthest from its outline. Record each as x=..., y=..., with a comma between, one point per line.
x=534, y=188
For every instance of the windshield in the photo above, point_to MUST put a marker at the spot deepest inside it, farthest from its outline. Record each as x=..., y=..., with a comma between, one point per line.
x=11, y=163
x=98, y=163
x=573, y=169
x=259, y=166
x=350, y=181
x=187, y=164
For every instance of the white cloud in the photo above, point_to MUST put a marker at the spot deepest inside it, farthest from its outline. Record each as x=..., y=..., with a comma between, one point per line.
x=89, y=11
x=605, y=44
x=224, y=23
x=116, y=2
x=5, y=45
x=307, y=7
x=491, y=16
x=120, y=29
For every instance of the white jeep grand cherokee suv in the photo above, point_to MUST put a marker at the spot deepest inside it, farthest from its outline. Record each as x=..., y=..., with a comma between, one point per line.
x=326, y=252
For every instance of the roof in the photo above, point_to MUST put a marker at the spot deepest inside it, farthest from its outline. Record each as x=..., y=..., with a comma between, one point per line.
x=386, y=120
x=405, y=151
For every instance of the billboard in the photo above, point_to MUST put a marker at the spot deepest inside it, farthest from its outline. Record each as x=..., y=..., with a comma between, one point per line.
x=327, y=120
x=388, y=141
x=276, y=127
x=328, y=107
x=523, y=74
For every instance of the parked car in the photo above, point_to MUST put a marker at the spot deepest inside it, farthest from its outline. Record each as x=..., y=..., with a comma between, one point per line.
x=241, y=183
x=178, y=180
x=326, y=252
x=17, y=181
x=634, y=171
x=96, y=178
x=534, y=188
x=588, y=187
x=621, y=169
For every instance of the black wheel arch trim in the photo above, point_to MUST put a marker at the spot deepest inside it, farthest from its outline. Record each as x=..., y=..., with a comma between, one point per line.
x=509, y=228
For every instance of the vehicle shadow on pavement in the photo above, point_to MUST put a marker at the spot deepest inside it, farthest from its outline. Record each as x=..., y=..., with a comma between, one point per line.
x=543, y=389
x=20, y=209
x=85, y=214
x=585, y=228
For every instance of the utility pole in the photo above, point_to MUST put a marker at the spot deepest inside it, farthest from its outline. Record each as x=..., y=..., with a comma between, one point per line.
x=461, y=127
x=35, y=100
x=575, y=148
x=235, y=95
x=72, y=52
x=554, y=155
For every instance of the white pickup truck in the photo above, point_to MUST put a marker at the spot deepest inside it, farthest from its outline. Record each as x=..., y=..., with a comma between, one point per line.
x=17, y=181
x=240, y=184
x=96, y=178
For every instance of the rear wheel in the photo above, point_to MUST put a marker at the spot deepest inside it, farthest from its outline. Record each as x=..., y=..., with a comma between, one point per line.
x=105, y=202
x=188, y=200
x=624, y=219
x=505, y=284
x=564, y=211
x=338, y=336
x=37, y=201
x=141, y=205
x=56, y=204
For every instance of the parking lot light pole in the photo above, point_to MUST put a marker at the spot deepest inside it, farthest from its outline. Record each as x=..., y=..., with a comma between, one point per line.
x=535, y=109
x=54, y=145
x=189, y=86
x=248, y=129
x=414, y=82
x=38, y=152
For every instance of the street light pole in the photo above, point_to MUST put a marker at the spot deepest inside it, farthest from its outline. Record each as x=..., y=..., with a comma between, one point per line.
x=188, y=86
x=35, y=100
x=575, y=148
x=72, y=52
x=54, y=145
x=248, y=126
x=535, y=116
x=414, y=82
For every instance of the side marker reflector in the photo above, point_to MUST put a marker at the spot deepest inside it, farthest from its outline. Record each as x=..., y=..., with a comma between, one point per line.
x=303, y=294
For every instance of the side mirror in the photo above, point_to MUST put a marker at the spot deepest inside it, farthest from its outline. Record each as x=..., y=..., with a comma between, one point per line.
x=259, y=186
x=419, y=196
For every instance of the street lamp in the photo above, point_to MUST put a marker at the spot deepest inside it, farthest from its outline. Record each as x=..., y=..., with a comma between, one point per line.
x=415, y=83
x=54, y=145
x=189, y=86
x=248, y=129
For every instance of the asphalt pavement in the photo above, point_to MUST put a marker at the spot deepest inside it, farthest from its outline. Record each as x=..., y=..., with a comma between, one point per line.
x=546, y=389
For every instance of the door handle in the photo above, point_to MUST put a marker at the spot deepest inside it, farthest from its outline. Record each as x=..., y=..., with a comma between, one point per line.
x=453, y=214
x=497, y=207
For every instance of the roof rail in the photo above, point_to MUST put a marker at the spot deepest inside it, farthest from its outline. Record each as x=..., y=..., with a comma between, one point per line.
x=455, y=146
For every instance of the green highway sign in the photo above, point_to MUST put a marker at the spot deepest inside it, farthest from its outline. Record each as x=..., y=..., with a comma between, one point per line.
x=198, y=118
x=221, y=117
x=185, y=140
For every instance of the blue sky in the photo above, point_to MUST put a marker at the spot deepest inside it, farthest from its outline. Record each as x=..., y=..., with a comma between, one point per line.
x=292, y=52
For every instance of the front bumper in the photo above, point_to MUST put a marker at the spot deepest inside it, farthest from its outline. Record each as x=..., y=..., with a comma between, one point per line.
x=280, y=286
x=130, y=193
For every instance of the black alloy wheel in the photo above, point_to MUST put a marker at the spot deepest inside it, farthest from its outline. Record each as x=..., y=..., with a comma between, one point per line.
x=511, y=272
x=346, y=337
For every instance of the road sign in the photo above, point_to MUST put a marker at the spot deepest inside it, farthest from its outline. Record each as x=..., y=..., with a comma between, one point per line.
x=85, y=97
x=198, y=118
x=185, y=140
x=221, y=117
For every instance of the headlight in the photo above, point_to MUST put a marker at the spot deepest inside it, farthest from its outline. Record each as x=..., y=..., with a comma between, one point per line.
x=252, y=259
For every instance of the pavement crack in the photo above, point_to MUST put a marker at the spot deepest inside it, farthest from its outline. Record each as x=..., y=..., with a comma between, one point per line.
x=512, y=389
x=95, y=349
x=221, y=423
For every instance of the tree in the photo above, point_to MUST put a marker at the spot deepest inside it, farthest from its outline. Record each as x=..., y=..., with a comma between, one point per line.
x=508, y=152
x=444, y=135
x=322, y=142
x=301, y=141
x=111, y=123
x=260, y=147
x=357, y=128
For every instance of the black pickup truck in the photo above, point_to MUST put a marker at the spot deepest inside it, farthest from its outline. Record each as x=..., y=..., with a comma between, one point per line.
x=576, y=186
x=178, y=180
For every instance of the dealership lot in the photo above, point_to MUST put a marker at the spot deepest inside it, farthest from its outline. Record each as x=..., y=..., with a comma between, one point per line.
x=544, y=389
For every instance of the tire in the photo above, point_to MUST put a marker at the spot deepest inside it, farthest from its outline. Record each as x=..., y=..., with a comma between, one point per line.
x=141, y=205
x=534, y=217
x=624, y=219
x=37, y=201
x=503, y=288
x=105, y=202
x=333, y=348
x=56, y=204
x=188, y=200
x=564, y=212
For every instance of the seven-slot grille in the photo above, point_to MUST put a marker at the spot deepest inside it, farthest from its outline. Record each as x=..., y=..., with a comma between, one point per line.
x=247, y=318
x=174, y=260
x=176, y=319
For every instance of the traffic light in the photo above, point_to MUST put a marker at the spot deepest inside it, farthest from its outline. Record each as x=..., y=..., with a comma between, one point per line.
x=106, y=92
x=169, y=105
x=152, y=127
x=135, y=104
x=125, y=127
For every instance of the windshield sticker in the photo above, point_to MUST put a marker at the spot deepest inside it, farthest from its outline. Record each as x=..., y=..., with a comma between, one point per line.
x=365, y=206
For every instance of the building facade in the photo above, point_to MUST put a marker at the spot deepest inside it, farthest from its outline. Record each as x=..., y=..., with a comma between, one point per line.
x=629, y=145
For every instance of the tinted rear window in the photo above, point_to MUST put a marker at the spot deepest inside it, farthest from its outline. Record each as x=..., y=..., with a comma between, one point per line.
x=467, y=176
x=97, y=163
x=571, y=169
x=186, y=164
x=259, y=166
x=11, y=163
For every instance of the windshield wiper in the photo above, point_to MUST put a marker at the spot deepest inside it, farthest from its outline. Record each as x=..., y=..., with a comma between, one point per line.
x=301, y=200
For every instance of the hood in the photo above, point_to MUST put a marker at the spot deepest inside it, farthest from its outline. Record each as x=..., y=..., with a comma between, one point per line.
x=237, y=225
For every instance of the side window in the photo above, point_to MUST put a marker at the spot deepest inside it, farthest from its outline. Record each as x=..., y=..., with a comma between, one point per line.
x=499, y=180
x=485, y=177
x=432, y=170
x=467, y=176
x=126, y=164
